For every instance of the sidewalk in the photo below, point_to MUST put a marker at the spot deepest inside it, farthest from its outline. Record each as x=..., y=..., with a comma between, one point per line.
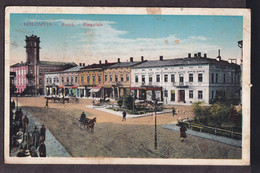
x=222, y=139
x=119, y=113
x=53, y=146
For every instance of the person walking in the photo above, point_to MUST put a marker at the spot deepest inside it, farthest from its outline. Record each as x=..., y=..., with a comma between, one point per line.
x=25, y=121
x=36, y=137
x=183, y=132
x=124, y=116
x=46, y=104
x=43, y=132
x=42, y=149
x=173, y=111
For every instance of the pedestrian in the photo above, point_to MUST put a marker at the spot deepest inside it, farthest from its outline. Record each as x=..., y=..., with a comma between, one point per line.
x=33, y=152
x=13, y=104
x=25, y=122
x=124, y=116
x=183, y=132
x=173, y=111
x=46, y=104
x=21, y=153
x=82, y=117
x=36, y=137
x=43, y=132
x=42, y=149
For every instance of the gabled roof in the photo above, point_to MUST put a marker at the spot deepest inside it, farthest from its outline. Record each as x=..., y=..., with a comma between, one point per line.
x=97, y=66
x=125, y=64
x=54, y=63
x=184, y=61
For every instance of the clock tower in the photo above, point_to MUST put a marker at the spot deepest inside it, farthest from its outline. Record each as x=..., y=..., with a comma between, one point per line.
x=32, y=49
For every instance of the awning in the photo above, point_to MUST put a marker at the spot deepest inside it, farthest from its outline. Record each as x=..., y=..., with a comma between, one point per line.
x=94, y=90
x=61, y=87
x=146, y=88
x=81, y=87
x=134, y=88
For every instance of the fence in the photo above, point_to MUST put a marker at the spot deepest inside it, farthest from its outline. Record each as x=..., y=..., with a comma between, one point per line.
x=214, y=130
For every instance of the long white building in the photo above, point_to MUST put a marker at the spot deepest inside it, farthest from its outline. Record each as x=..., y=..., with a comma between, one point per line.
x=185, y=80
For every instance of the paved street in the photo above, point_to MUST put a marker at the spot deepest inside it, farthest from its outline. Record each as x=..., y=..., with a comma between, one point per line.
x=114, y=138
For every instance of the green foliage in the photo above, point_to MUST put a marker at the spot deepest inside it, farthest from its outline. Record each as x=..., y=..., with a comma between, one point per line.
x=201, y=112
x=219, y=113
x=223, y=96
x=128, y=102
x=235, y=115
x=120, y=102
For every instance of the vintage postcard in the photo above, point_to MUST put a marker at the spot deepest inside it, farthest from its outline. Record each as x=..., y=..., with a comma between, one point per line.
x=95, y=85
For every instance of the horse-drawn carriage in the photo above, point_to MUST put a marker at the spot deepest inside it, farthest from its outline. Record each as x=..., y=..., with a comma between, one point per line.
x=57, y=98
x=90, y=123
x=148, y=105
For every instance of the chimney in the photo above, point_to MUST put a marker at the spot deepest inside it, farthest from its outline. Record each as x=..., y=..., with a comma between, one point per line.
x=80, y=64
x=99, y=61
x=161, y=58
x=195, y=55
x=83, y=64
x=219, y=57
x=21, y=62
x=199, y=54
x=229, y=60
x=118, y=60
x=105, y=61
x=205, y=55
x=142, y=58
x=131, y=59
x=189, y=55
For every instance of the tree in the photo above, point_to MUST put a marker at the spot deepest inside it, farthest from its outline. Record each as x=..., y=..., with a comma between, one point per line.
x=219, y=113
x=201, y=112
x=129, y=101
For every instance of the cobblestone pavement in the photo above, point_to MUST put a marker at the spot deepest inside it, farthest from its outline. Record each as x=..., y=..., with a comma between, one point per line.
x=53, y=146
x=225, y=140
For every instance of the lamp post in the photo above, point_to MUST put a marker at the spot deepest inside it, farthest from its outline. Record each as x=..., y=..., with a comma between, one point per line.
x=155, y=127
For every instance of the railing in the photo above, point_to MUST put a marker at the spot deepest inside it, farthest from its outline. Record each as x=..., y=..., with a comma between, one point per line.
x=214, y=130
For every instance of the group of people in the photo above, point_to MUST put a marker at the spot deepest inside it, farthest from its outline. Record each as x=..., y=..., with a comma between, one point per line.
x=21, y=137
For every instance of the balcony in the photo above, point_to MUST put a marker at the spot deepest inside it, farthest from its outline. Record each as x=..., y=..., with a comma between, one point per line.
x=180, y=84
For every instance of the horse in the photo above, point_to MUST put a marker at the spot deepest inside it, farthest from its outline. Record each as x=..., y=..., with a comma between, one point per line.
x=90, y=124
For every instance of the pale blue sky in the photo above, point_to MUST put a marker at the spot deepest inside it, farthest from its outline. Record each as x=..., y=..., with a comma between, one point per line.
x=125, y=36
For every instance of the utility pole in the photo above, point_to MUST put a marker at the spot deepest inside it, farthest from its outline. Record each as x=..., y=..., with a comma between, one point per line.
x=155, y=128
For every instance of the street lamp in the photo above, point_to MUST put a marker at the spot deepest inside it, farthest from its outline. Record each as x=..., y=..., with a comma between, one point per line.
x=155, y=127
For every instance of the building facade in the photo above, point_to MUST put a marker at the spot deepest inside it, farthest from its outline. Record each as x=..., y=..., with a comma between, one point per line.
x=35, y=69
x=91, y=79
x=185, y=80
x=117, y=78
x=52, y=83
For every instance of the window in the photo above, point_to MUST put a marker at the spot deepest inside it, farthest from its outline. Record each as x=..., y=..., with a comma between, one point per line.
x=57, y=79
x=76, y=79
x=105, y=77
x=40, y=81
x=71, y=79
x=200, y=94
x=212, y=94
x=172, y=78
x=136, y=79
x=47, y=80
x=54, y=79
x=150, y=78
x=127, y=77
x=165, y=93
x=82, y=78
x=40, y=71
x=216, y=77
x=166, y=78
x=46, y=70
x=191, y=94
x=116, y=78
x=224, y=78
x=190, y=77
x=68, y=79
x=143, y=78
x=212, y=78
x=99, y=78
x=157, y=78
x=94, y=78
x=173, y=95
x=111, y=78
x=50, y=80
x=232, y=78
x=88, y=79
x=30, y=71
x=181, y=78
x=122, y=77
x=200, y=77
